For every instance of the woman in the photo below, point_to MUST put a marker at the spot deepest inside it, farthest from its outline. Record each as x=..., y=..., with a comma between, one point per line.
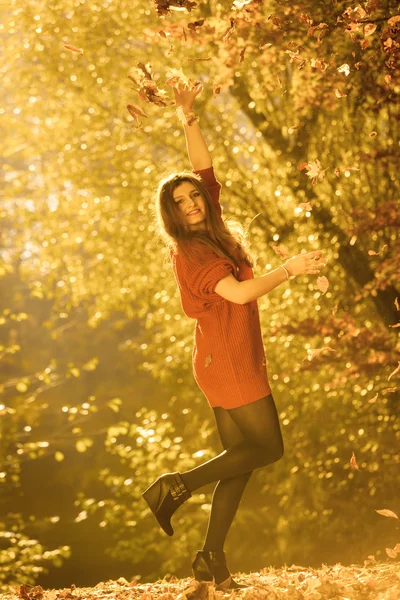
x=218, y=289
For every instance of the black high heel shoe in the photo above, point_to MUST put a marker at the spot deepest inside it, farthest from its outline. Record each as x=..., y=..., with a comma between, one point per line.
x=211, y=566
x=164, y=496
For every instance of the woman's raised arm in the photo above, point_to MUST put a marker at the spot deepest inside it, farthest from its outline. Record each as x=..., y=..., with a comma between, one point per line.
x=198, y=152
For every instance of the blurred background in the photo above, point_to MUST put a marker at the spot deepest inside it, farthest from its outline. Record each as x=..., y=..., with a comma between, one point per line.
x=300, y=113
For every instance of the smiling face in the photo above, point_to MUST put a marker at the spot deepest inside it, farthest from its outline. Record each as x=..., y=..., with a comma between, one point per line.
x=191, y=205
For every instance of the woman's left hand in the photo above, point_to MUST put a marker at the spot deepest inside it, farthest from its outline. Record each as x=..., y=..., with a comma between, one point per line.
x=186, y=94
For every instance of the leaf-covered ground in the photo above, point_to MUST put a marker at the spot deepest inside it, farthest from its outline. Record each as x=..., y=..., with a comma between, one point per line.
x=378, y=581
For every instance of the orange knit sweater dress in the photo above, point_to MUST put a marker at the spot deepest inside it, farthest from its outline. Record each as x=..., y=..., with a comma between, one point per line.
x=229, y=363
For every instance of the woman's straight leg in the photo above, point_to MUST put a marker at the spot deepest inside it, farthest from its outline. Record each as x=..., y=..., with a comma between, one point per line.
x=262, y=445
x=228, y=492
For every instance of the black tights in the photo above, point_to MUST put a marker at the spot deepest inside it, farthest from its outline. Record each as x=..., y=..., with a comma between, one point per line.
x=252, y=438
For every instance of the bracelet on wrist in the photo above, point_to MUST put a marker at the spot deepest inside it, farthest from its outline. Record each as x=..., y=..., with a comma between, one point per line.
x=286, y=271
x=186, y=117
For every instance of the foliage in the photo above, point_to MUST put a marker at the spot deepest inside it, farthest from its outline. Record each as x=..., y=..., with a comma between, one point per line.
x=300, y=112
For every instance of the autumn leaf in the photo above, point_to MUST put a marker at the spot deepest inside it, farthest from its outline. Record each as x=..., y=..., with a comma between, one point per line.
x=322, y=284
x=386, y=513
x=302, y=166
x=135, y=110
x=373, y=253
x=373, y=400
x=315, y=171
x=265, y=46
x=313, y=352
x=353, y=462
x=397, y=369
x=372, y=134
x=396, y=325
x=390, y=390
x=388, y=79
x=73, y=49
x=396, y=303
x=391, y=553
x=337, y=172
x=334, y=309
x=305, y=206
x=369, y=29
x=292, y=128
x=340, y=94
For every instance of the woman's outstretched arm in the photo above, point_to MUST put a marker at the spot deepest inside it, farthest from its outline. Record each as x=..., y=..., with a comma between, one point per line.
x=198, y=152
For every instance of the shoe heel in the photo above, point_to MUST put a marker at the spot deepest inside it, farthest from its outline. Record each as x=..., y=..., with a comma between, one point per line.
x=152, y=496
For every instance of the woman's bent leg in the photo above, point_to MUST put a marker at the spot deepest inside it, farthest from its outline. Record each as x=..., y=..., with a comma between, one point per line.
x=262, y=445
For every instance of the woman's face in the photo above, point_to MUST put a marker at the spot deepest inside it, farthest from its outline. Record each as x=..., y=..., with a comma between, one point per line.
x=191, y=205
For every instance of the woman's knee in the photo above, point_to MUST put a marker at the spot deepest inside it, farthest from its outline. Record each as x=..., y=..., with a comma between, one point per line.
x=272, y=451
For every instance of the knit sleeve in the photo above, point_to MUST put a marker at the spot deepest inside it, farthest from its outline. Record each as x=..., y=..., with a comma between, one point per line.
x=199, y=277
x=213, y=186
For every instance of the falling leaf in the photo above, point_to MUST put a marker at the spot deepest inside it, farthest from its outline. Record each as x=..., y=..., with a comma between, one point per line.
x=334, y=309
x=388, y=390
x=373, y=253
x=313, y=352
x=372, y=134
x=305, y=206
x=388, y=79
x=344, y=69
x=340, y=94
x=337, y=172
x=196, y=24
x=396, y=325
x=292, y=128
x=396, y=303
x=391, y=553
x=351, y=168
x=302, y=166
x=369, y=29
x=397, y=369
x=315, y=171
x=74, y=49
x=322, y=284
x=373, y=399
x=365, y=44
x=387, y=513
x=267, y=45
x=135, y=110
x=353, y=462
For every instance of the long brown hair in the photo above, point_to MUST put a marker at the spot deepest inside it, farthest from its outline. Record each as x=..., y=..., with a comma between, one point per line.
x=230, y=242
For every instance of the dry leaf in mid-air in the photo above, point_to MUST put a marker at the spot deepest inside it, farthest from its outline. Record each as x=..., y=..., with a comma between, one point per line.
x=313, y=352
x=391, y=553
x=397, y=369
x=315, y=171
x=322, y=284
x=372, y=134
x=292, y=128
x=373, y=400
x=373, y=253
x=305, y=206
x=353, y=462
x=340, y=94
x=396, y=303
x=385, y=512
x=73, y=49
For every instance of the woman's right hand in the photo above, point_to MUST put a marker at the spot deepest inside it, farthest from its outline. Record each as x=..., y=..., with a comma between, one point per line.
x=308, y=263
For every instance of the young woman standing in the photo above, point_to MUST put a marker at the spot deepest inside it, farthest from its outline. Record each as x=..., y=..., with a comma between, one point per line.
x=218, y=289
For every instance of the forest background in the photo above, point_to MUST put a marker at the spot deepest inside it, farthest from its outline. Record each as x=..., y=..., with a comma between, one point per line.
x=300, y=112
